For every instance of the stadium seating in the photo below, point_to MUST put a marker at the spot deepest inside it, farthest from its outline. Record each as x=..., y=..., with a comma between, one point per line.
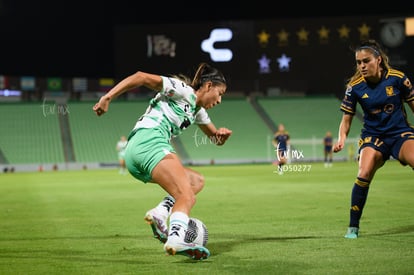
x=31, y=132
x=94, y=138
x=307, y=119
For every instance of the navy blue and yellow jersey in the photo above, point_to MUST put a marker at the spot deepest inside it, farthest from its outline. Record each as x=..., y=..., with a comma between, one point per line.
x=328, y=143
x=281, y=138
x=382, y=103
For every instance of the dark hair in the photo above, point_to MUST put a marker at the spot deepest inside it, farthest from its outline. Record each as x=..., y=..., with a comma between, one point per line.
x=205, y=73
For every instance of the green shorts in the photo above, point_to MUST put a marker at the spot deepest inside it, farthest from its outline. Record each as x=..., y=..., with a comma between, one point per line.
x=145, y=149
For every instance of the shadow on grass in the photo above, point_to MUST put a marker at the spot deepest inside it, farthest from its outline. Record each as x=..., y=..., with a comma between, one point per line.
x=51, y=238
x=126, y=255
x=236, y=240
x=394, y=231
x=226, y=246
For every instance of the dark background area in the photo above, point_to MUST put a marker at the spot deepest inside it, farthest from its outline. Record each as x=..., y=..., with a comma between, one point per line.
x=76, y=38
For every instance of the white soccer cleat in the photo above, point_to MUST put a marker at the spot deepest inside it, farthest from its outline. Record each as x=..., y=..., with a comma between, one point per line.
x=158, y=224
x=196, y=252
x=178, y=244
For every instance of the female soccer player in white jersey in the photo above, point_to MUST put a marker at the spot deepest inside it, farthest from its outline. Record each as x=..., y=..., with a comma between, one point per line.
x=150, y=157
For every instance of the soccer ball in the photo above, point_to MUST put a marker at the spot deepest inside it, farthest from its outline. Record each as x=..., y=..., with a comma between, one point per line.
x=196, y=232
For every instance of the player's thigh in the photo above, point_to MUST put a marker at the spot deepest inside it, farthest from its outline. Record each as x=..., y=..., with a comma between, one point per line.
x=369, y=161
x=171, y=175
x=406, y=154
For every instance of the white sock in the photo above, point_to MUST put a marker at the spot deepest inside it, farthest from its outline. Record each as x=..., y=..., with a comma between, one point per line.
x=166, y=205
x=178, y=224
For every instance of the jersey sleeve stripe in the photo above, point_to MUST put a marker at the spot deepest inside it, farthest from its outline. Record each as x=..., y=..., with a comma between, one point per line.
x=347, y=110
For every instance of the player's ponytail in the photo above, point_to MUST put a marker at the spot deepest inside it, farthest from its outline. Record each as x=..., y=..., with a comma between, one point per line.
x=205, y=73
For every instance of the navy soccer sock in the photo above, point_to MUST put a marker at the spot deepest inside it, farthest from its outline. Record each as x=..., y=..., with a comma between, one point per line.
x=358, y=199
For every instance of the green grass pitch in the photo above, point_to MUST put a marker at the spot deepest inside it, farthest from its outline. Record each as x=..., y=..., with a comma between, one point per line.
x=91, y=222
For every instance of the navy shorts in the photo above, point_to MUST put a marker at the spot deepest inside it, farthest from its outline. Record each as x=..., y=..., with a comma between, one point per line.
x=388, y=146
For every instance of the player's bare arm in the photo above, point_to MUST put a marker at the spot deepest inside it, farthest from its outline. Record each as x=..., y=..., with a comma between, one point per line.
x=151, y=81
x=218, y=136
x=344, y=128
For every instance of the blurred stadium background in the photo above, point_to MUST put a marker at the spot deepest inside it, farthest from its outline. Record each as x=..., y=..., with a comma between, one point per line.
x=283, y=69
x=40, y=134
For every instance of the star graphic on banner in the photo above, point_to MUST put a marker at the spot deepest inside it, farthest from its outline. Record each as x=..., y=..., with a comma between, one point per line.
x=323, y=33
x=284, y=63
x=283, y=37
x=263, y=37
x=264, y=64
x=344, y=32
x=302, y=36
x=364, y=31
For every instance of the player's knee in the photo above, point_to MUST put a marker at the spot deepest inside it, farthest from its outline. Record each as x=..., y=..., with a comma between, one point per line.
x=200, y=181
x=367, y=174
x=406, y=157
x=200, y=184
x=197, y=182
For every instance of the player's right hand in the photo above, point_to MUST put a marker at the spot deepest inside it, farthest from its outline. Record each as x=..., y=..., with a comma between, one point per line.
x=101, y=107
x=338, y=147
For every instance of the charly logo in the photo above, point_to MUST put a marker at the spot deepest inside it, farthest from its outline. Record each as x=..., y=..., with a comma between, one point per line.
x=218, y=35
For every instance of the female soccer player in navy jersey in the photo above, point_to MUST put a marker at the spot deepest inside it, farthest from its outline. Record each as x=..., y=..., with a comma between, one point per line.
x=281, y=142
x=327, y=149
x=382, y=92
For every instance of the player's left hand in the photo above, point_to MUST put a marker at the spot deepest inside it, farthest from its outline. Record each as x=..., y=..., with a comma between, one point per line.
x=222, y=135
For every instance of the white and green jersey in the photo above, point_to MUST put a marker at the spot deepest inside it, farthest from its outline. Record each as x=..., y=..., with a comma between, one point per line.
x=121, y=146
x=173, y=108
